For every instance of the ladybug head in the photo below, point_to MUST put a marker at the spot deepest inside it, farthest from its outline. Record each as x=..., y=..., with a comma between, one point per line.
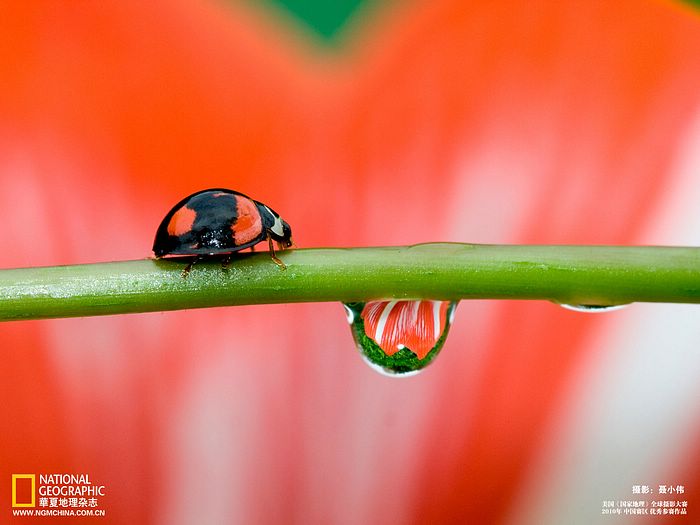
x=278, y=228
x=286, y=239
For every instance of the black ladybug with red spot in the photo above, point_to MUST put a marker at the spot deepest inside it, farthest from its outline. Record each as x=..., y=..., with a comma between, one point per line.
x=220, y=221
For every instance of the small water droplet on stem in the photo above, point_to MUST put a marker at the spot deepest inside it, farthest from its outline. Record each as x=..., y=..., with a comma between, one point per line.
x=400, y=338
x=593, y=308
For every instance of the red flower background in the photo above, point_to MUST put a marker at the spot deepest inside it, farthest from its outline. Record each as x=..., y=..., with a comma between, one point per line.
x=439, y=120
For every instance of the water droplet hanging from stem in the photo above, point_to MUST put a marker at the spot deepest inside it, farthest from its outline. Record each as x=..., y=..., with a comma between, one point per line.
x=400, y=337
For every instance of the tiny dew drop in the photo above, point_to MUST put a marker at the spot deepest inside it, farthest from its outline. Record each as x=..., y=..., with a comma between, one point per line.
x=593, y=308
x=400, y=338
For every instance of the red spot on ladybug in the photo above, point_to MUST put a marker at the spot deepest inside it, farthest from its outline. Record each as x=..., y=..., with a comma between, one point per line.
x=181, y=222
x=219, y=221
x=395, y=325
x=249, y=223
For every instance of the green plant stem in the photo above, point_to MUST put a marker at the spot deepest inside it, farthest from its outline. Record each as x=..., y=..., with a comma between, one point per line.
x=597, y=275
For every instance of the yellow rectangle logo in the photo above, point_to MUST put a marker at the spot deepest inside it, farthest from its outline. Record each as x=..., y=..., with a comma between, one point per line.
x=32, y=501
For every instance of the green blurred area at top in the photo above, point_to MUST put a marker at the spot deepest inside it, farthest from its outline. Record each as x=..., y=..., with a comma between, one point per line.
x=325, y=17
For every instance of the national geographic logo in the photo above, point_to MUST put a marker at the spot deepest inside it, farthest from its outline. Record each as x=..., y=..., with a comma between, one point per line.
x=23, y=490
x=56, y=491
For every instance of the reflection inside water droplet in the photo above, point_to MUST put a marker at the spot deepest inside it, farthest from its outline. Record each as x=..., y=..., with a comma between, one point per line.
x=386, y=371
x=400, y=338
x=593, y=308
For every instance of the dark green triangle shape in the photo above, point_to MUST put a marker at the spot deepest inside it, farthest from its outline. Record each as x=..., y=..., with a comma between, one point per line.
x=325, y=17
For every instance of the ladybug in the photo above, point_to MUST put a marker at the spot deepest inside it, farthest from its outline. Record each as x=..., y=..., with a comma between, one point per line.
x=219, y=221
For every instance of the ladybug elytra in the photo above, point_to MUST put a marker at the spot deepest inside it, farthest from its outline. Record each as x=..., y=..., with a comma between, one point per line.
x=219, y=221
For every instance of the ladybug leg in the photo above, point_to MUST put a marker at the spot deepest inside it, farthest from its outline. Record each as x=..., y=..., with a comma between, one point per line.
x=252, y=249
x=186, y=269
x=274, y=257
x=225, y=262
